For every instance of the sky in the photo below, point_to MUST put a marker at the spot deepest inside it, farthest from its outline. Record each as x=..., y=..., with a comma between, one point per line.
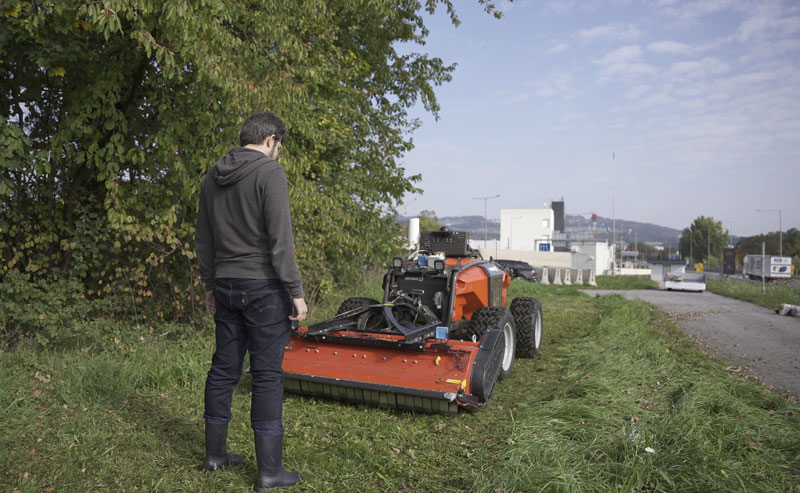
x=655, y=111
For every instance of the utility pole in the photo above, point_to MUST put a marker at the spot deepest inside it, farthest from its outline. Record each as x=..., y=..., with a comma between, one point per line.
x=730, y=232
x=763, y=264
x=613, y=214
x=485, y=229
x=780, y=226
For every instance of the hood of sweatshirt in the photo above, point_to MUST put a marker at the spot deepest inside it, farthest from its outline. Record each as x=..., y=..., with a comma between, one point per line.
x=237, y=164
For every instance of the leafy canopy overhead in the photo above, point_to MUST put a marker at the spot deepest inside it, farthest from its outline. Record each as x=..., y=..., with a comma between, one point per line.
x=113, y=110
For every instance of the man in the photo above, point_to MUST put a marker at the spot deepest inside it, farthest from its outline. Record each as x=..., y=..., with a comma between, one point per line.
x=253, y=289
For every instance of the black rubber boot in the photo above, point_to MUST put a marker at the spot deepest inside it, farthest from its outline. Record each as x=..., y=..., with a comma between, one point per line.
x=269, y=454
x=217, y=455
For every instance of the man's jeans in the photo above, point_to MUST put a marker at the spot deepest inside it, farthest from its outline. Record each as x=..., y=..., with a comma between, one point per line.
x=252, y=315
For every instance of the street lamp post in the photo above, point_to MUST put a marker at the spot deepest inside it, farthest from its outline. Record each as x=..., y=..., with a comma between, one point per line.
x=730, y=232
x=485, y=229
x=780, y=226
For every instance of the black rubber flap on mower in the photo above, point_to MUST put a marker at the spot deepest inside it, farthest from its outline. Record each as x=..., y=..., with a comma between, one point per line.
x=487, y=365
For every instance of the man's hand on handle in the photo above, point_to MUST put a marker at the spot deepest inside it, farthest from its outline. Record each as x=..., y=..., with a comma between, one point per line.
x=211, y=303
x=300, y=309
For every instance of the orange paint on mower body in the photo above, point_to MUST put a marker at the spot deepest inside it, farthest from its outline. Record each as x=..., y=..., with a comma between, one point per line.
x=445, y=375
x=472, y=291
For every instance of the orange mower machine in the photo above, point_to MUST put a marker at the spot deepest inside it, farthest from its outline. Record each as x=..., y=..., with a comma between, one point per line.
x=440, y=340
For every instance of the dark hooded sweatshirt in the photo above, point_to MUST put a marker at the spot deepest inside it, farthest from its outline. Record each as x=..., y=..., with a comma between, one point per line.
x=244, y=229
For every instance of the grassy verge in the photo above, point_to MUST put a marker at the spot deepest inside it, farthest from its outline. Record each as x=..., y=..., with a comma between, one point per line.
x=624, y=282
x=776, y=293
x=614, y=379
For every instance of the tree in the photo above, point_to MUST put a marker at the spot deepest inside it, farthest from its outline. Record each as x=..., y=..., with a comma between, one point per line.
x=705, y=234
x=112, y=111
x=428, y=221
x=752, y=245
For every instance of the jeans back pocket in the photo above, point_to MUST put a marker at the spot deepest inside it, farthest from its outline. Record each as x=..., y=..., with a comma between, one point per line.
x=266, y=306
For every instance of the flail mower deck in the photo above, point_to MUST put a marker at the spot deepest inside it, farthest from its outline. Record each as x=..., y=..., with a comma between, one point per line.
x=439, y=341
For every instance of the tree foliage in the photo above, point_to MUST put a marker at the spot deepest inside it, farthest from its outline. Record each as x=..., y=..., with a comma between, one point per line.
x=752, y=244
x=113, y=110
x=428, y=221
x=704, y=234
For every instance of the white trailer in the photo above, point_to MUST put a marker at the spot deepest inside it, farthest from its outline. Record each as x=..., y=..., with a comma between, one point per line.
x=773, y=267
x=685, y=281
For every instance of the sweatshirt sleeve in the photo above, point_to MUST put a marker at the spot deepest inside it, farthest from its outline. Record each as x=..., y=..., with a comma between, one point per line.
x=279, y=231
x=204, y=242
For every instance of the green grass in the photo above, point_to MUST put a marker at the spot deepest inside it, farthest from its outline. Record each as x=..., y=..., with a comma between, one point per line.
x=624, y=282
x=614, y=378
x=776, y=293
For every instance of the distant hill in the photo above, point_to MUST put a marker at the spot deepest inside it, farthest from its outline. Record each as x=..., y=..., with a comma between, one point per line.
x=474, y=225
x=627, y=231
x=647, y=232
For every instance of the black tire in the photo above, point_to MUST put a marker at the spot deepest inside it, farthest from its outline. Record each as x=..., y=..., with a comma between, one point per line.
x=368, y=320
x=353, y=303
x=497, y=318
x=527, y=314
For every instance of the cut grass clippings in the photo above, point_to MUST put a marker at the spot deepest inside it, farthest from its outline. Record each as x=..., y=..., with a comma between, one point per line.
x=777, y=293
x=619, y=400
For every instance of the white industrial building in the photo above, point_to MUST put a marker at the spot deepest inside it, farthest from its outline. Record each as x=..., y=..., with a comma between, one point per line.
x=526, y=229
x=528, y=235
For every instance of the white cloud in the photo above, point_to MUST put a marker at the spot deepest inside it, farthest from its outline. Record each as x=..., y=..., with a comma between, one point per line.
x=638, y=91
x=768, y=23
x=562, y=7
x=624, y=63
x=671, y=48
x=558, y=48
x=610, y=31
x=707, y=67
x=558, y=83
x=770, y=50
x=508, y=96
x=692, y=11
x=626, y=54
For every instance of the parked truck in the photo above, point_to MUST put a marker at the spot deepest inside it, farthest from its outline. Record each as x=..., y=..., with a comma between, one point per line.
x=773, y=267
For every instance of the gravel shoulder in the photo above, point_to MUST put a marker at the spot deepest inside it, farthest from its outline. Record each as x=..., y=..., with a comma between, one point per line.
x=753, y=339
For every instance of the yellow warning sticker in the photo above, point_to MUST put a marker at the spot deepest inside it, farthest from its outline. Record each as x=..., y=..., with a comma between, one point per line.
x=450, y=380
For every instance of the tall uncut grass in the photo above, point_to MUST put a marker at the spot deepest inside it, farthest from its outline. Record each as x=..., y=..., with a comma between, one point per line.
x=619, y=400
x=624, y=282
x=776, y=294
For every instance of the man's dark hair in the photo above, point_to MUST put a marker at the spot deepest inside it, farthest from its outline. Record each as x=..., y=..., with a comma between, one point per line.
x=261, y=125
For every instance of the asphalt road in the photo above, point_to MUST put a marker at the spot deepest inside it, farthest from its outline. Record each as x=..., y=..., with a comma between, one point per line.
x=741, y=334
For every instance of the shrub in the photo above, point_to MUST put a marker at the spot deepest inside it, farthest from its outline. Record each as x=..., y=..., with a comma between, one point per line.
x=49, y=312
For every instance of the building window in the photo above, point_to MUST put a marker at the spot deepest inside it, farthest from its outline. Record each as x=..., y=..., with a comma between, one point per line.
x=546, y=223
